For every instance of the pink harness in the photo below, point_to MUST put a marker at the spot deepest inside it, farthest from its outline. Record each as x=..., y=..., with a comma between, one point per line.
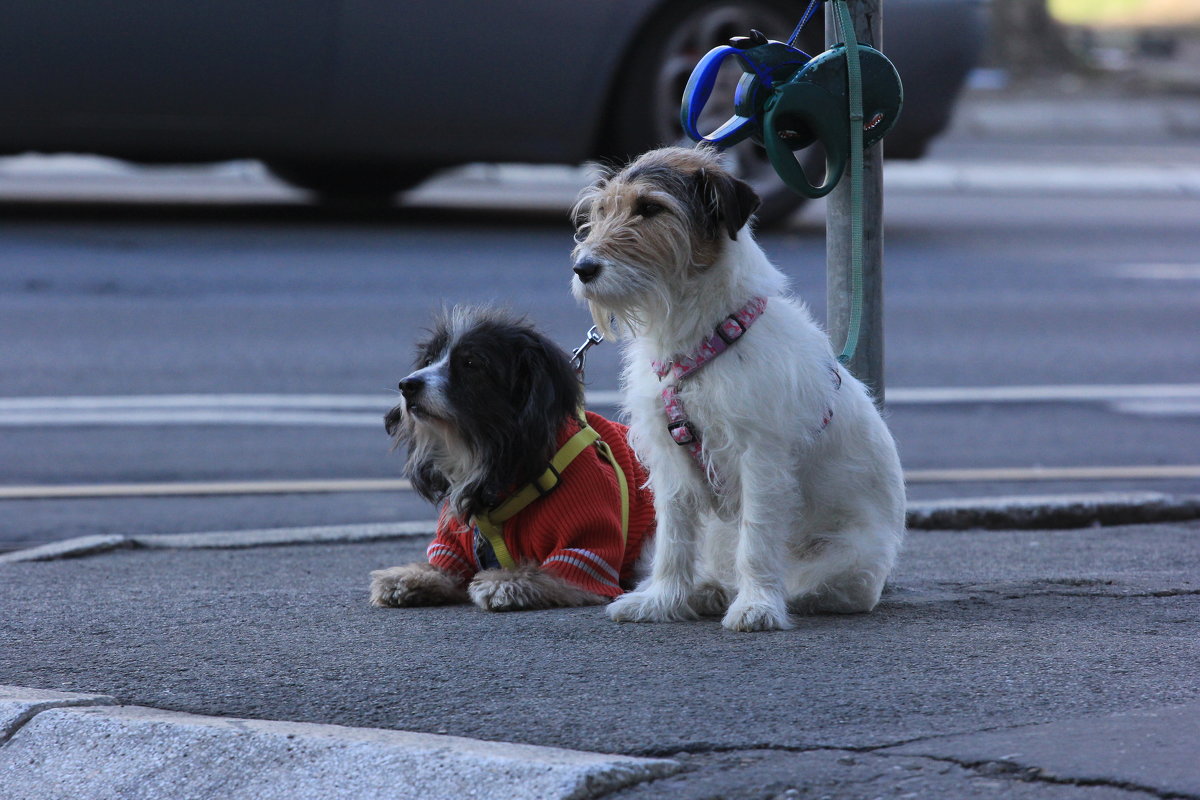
x=731, y=329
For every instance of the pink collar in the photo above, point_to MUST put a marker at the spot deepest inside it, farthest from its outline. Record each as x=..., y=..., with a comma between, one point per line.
x=729, y=331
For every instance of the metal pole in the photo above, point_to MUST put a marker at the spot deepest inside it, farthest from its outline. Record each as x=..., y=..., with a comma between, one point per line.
x=867, y=364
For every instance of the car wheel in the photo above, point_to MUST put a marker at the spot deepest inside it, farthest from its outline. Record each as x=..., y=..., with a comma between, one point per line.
x=650, y=90
x=349, y=182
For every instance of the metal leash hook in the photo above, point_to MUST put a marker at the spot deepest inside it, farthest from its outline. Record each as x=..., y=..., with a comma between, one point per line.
x=579, y=354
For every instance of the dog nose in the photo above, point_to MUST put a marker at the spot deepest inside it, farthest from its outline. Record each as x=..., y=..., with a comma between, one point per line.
x=410, y=387
x=587, y=269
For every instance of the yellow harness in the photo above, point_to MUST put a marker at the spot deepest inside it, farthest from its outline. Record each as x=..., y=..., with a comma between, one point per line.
x=491, y=522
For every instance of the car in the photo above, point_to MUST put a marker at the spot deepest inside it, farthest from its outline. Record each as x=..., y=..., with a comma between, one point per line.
x=364, y=98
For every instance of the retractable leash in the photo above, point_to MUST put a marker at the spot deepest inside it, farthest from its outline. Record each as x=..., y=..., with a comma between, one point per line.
x=787, y=101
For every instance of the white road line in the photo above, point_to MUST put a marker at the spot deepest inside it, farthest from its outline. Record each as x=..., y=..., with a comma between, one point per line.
x=354, y=410
x=157, y=401
x=91, y=419
x=329, y=486
x=949, y=395
x=202, y=488
x=1083, y=393
x=1155, y=272
x=195, y=409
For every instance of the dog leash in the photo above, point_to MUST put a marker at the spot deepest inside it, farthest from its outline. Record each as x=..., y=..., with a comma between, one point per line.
x=786, y=101
x=845, y=27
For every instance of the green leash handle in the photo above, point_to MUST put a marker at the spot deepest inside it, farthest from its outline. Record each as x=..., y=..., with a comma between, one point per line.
x=854, y=80
x=798, y=111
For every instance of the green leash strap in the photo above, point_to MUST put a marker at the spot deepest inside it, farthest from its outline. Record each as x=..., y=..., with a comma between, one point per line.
x=854, y=79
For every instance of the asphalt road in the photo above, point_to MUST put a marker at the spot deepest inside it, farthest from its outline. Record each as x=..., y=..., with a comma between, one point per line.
x=1057, y=283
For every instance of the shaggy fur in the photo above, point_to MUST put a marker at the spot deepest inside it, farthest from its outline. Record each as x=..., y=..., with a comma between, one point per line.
x=480, y=414
x=809, y=517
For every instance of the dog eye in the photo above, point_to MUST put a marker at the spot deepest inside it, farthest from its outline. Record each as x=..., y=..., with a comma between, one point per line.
x=647, y=209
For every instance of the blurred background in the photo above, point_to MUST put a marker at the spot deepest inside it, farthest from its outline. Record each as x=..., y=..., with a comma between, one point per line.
x=223, y=227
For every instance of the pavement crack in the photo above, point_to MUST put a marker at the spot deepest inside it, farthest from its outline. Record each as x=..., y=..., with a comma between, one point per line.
x=1081, y=588
x=706, y=748
x=1012, y=771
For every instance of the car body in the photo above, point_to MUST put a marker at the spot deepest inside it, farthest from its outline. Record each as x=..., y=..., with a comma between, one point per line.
x=340, y=95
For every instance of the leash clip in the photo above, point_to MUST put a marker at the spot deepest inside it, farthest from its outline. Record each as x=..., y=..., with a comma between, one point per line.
x=579, y=354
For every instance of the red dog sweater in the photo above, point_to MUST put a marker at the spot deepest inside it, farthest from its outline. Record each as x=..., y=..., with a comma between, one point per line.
x=573, y=532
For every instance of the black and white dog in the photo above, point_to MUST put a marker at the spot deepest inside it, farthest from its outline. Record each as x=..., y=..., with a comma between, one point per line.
x=489, y=405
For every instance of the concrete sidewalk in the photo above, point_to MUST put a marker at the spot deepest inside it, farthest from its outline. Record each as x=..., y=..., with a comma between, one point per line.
x=1090, y=114
x=1040, y=664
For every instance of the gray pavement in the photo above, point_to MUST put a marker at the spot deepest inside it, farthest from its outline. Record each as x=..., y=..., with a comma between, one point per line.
x=1001, y=663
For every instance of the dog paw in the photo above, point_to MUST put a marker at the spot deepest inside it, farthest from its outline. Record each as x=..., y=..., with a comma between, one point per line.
x=710, y=599
x=750, y=616
x=498, y=595
x=650, y=606
x=526, y=588
x=414, y=585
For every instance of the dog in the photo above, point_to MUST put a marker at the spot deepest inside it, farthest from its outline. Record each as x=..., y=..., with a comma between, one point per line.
x=777, y=485
x=490, y=404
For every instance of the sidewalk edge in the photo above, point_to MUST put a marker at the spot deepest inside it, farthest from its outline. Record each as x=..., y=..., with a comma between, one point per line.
x=1053, y=511
x=222, y=540
x=986, y=513
x=96, y=750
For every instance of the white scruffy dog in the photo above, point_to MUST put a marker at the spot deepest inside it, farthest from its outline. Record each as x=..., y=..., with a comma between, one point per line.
x=794, y=500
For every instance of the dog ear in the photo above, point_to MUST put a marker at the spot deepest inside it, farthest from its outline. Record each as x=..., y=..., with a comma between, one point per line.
x=553, y=391
x=427, y=481
x=728, y=201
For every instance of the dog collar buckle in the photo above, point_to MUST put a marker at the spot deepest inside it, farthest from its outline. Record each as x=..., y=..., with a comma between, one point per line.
x=731, y=329
x=552, y=477
x=683, y=432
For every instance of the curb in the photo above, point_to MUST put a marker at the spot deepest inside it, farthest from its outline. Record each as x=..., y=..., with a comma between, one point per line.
x=987, y=513
x=65, y=745
x=222, y=540
x=1053, y=511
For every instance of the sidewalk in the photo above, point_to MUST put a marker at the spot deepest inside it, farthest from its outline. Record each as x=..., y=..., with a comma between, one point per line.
x=1040, y=664
x=1023, y=122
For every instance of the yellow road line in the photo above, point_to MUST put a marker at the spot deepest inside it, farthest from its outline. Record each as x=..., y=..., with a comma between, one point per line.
x=1021, y=474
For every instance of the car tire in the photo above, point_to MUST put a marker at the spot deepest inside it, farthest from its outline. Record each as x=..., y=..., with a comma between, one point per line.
x=337, y=183
x=644, y=109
